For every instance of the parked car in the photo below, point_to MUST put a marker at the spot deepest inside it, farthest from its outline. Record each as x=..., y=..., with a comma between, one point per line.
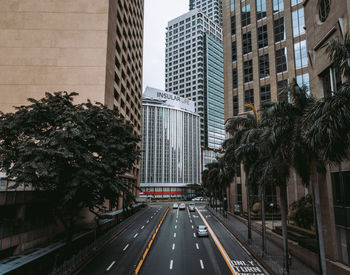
x=182, y=206
x=175, y=205
x=191, y=207
x=202, y=231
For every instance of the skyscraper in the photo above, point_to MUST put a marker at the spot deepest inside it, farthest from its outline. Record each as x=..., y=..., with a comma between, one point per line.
x=86, y=46
x=212, y=8
x=264, y=49
x=194, y=69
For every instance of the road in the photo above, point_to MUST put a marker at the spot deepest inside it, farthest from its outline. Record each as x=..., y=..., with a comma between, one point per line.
x=121, y=254
x=177, y=249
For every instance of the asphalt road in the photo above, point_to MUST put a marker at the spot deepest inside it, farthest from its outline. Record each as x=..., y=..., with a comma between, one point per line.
x=121, y=254
x=177, y=249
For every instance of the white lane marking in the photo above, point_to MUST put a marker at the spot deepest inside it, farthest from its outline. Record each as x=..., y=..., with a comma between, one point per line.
x=175, y=226
x=194, y=234
x=142, y=227
x=173, y=246
x=177, y=213
x=202, y=265
x=154, y=213
x=176, y=221
x=192, y=226
x=197, y=246
x=191, y=221
x=136, y=235
x=151, y=217
x=174, y=235
x=126, y=247
x=110, y=266
x=171, y=264
x=147, y=221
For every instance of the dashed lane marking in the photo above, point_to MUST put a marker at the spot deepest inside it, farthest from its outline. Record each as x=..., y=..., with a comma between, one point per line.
x=173, y=246
x=126, y=247
x=194, y=234
x=110, y=266
x=174, y=235
x=171, y=264
x=197, y=246
x=135, y=235
x=142, y=227
x=202, y=265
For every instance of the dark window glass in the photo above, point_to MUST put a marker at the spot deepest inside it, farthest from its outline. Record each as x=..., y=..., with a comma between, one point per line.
x=260, y=9
x=248, y=70
x=235, y=105
x=247, y=42
x=264, y=69
x=245, y=15
x=248, y=98
x=281, y=60
x=234, y=78
x=278, y=29
x=282, y=94
x=265, y=94
x=324, y=9
x=234, y=51
x=262, y=37
x=233, y=25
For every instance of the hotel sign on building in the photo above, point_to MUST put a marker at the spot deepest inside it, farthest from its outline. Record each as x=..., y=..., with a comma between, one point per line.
x=170, y=99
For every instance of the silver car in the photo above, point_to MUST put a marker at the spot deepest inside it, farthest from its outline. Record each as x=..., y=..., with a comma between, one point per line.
x=191, y=207
x=175, y=205
x=182, y=206
x=202, y=231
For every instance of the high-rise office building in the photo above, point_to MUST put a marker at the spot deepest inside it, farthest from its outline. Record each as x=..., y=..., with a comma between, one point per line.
x=86, y=46
x=170, y=145
x=194, y=69
x=264, y=45
x=212, y=8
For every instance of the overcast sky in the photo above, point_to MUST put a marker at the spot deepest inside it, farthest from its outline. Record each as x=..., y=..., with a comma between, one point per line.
x=157, y=14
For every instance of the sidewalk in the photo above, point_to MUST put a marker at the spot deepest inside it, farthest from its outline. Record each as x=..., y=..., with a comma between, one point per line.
x=273, y=259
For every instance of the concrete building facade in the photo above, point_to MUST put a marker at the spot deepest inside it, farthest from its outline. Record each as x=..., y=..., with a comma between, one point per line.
x=90, y=47
x=212, y=8
x=264, y=49
x=326, y=20
x=170, y=145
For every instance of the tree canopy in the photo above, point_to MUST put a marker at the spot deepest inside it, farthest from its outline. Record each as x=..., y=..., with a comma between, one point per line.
x=73, y=151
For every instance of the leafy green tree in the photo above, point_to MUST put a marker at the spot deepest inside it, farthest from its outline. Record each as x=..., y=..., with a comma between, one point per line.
x=73, y=152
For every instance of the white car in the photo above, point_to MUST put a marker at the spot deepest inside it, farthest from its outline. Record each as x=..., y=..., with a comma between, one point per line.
x=182, y=206
x=191, y=207
x=175, y=205
x=202, y=231
x=197, y=199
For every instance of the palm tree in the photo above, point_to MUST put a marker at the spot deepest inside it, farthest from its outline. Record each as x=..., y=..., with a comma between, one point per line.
x=242, y=146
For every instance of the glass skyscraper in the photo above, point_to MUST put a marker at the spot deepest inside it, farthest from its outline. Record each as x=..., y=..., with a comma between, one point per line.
x=170, y=144
x=194, y=69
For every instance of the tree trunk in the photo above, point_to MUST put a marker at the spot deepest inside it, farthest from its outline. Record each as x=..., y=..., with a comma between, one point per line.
x=283, y=199
x=263, y=221
x=319, y=231
x=249, y=215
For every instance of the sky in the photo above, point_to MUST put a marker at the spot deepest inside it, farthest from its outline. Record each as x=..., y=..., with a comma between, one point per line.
x=157, y=13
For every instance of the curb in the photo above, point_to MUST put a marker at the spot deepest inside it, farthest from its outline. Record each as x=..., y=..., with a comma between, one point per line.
x=256, y=257
x=144, y=254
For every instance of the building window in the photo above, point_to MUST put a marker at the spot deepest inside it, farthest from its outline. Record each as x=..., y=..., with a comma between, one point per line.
x=282, y=94
x=245, y=15
x=278, y=5
x=281, y=60
x=262, y=37
x=232, y=5
x=234, y=78
x=330, y=81
x=234, y=51
x=260, y=9
x=248, y=98
x=235, y=105
x=265, y=94
x=295, y=2
x=298, y=22
x=325, y=6
x=303, y=79
x=233, y=25
x=341, y=206
x=248, y=71
x=264, y=69
x=247, y=42
x=278, y=29
x=300, y=54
